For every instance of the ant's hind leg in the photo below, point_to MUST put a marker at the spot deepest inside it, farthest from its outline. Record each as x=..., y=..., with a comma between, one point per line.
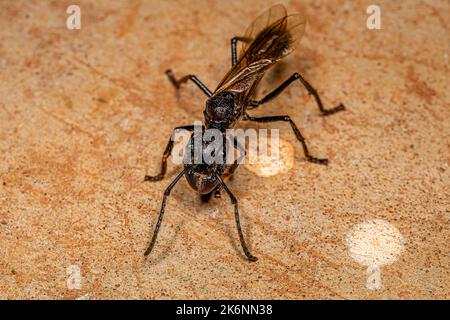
x=296, y=76
x=233, y=199
x=166, y=155
x=234, y=41
x=161, y=213
x=297, y=132
x=191, y=77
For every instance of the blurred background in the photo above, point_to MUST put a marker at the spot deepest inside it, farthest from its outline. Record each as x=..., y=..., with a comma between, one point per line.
x=86, y=113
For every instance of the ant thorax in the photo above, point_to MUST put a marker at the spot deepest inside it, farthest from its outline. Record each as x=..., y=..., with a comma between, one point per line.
x=220, y=111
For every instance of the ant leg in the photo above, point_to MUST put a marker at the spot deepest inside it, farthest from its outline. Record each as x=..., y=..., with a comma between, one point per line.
x=191, y=77
x=296, y=131
x=296, y=76
x=234, y=41
x=233, y=199
x=161, y=212
x=242, y=151
x=166, y=155
x=230, y=169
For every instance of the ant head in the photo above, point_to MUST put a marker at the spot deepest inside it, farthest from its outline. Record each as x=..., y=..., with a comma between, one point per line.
x=219, y=111
x=202, y=173
x=202, y=177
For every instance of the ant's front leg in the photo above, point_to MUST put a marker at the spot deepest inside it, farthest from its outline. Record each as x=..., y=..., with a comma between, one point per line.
x=191, y=77
x=238, y=161
x=166, y=155
x=161, y=213
x=296, y=76
x=229, y=173
x=233, y=199
x=297, y=132
x=234, y=41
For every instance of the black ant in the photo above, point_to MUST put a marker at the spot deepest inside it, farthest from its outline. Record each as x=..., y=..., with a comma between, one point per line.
x=269, y=38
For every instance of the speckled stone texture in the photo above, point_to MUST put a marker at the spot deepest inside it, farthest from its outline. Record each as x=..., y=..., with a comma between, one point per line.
x=85, y=114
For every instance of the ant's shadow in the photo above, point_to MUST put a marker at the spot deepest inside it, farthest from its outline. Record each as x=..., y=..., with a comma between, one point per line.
x=227, y=225
x=167, y=247
x=302, y=62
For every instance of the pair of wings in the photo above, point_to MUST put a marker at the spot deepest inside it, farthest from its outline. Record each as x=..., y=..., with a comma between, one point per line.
x=269, y=38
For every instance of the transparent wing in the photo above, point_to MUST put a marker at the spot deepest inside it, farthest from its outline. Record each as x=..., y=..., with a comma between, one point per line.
x=246, y=76
x=276, y=40
x=274, y=36
x=265, y=19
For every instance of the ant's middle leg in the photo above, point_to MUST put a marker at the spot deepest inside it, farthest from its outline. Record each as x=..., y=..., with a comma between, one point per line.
x=297, y=132
x=184, y=79
x=234, y=41
x=296, y=76
x=166, y=155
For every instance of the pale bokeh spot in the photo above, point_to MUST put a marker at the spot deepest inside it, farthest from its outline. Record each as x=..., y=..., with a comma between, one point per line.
x=272, y=163
x=374, y=244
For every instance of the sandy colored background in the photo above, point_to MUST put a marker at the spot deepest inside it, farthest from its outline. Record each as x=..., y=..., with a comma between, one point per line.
x=85, y=114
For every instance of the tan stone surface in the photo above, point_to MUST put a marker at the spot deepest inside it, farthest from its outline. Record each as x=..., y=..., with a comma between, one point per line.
x=84, y=115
